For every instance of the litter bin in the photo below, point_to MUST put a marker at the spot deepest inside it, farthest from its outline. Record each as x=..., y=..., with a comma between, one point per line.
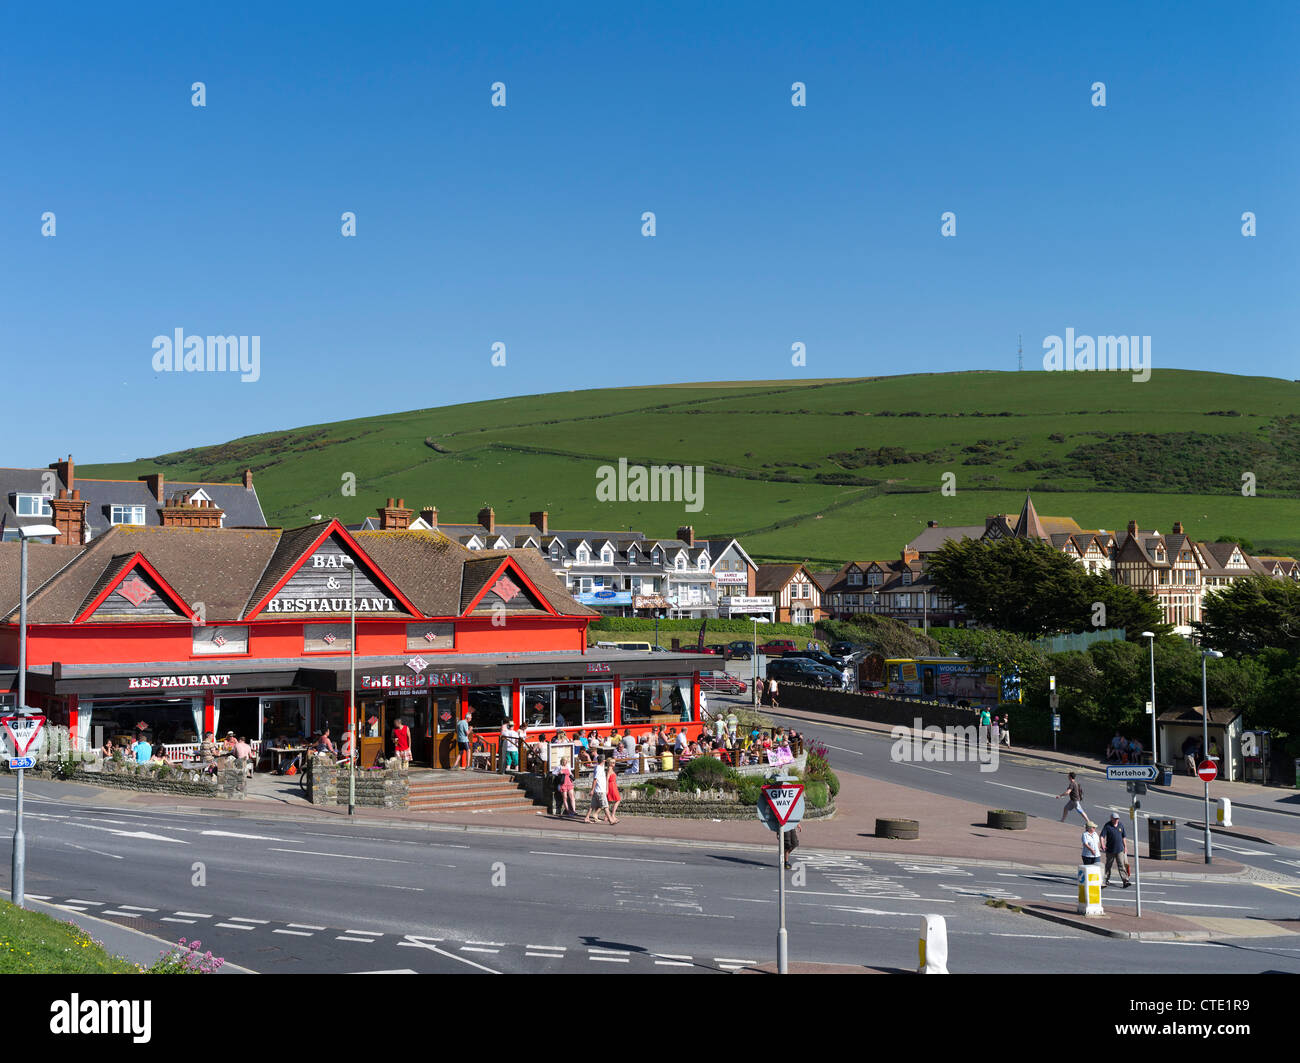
x=1162, y=839
x=1166, y=774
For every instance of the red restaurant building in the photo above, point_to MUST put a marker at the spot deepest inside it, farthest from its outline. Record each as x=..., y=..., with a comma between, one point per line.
x=195, y=629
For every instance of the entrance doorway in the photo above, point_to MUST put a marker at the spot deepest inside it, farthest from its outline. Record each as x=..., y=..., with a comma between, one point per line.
x=443, y=720
x=377, y=737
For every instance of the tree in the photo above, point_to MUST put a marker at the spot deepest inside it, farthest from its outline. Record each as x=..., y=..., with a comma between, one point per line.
x=1252, y=615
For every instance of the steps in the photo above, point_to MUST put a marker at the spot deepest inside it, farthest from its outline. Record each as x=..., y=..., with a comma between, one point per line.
x=469, y=791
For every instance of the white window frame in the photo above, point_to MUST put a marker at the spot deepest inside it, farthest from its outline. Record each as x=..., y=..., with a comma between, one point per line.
x=36, y=505
x=115, y=514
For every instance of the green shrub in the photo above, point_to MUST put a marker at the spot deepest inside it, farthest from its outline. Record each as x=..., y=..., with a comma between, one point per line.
x=816, y=794
x=749, y=789
x=707, y=773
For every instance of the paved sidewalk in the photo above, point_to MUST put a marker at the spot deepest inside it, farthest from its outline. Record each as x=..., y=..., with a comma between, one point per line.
x=1120, y=921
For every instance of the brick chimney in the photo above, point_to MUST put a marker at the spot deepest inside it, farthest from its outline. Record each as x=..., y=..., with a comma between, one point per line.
x=488, y=519
x=538, y=519
x=180, y=512
x=154, y=481
x=910, y=555
x=68, y=514
x=64, y=471
x=932, y=524
x=1178, y=527
x=248, y=479
x=395, y=517
x=686, y=533
x=429, y=514
x=1132, y=527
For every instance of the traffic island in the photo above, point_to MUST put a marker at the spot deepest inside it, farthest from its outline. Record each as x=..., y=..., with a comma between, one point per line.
x=1122, y=922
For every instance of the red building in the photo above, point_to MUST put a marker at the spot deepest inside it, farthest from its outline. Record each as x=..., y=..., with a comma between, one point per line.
x=195, y=629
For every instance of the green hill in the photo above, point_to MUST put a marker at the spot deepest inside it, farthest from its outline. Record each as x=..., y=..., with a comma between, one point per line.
x=824, y=470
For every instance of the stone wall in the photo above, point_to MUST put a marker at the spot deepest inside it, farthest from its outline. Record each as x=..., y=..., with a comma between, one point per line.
x=894, y=711
x=229, y=783
x=670, y=804
x=376, y=788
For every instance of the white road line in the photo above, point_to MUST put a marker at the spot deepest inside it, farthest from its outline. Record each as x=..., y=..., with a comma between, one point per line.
x=197, y=915
x=555, y=948
x=922, y=767
x=795, y=894
x=1008, y=786
x=171, y=919
x=236, y=926
x=448, y=955
x=38, y=897
x=469, y=948
x=404, y=970
x=78, y=900
x=672, y=963
x=587, y=856
x=609, y=959
x=1180, y=904
x=671, y=956
x=368, y=933
x=302, y=926
x=137, y=908
x=232, y=834
x=97, y=852
x=245, y=919
x=339, y=856
x=413, y=889
x=1045, y=937
x=546, y=955
x=730, y=959
x=295, y=933
x=71, y=907
x=611, y=952
x=855, y=752
x=114, y=911
x=364, y=941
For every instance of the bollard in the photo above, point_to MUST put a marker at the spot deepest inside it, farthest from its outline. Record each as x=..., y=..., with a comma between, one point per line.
x=1090, y=890
x=1225, y=811
x=933, y=945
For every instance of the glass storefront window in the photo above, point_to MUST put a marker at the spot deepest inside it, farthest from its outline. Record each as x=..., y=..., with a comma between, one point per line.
x=490, y=705
x=539, y=706
x=598, y=703
x=568, y=706
x=167, y=720
x=656, y=700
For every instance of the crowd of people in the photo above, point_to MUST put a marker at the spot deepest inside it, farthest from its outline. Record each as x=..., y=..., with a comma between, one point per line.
x=1124, y=750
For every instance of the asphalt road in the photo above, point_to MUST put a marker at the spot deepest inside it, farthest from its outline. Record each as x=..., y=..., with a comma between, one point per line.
x=289, y=896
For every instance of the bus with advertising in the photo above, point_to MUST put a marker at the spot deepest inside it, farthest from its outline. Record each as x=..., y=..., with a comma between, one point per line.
x=954, y=680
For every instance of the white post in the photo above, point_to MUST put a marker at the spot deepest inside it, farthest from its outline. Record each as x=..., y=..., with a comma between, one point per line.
x=782, y=961
x=1224, y=811
x=1090, y=890
x=933, y=945
x=1137, y=859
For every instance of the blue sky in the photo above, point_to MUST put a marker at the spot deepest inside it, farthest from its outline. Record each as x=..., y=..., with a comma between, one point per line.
x=522, y=224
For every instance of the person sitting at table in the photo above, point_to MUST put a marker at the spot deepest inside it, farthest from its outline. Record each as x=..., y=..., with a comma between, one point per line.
x=108, y=750
x=324, y=744
x=584, y=758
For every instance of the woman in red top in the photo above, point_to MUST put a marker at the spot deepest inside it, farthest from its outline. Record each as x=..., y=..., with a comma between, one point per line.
x=402, y=742
x=611, y=790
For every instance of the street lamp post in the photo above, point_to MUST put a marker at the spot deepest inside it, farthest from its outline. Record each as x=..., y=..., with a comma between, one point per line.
x=18, y=859
x=352, y=691
x=1151, y=636
x=753, y=692
x=1205, y=744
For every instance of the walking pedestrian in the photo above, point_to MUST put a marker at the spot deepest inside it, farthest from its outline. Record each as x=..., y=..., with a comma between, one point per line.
x=463, y=728
x=1091, y=843
x=599, y=793
x=1006, y=730
x=772, y=692
x=986, y=721
x=846, y=678
x=995, y=732
x=612, y=795
x=789, y=843
x=565, y=789
x=733, y=722
x=402, y=743
x=1191, y=753
x=509, y=746
x=1114, y=842
x=1074, y=791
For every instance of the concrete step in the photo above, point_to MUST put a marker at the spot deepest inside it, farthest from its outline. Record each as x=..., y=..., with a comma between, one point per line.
x=495, y=804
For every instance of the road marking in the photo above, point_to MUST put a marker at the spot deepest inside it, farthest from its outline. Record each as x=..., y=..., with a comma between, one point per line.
x=72, y=907
x=855, y=752
x=236, y=926
x=586, y=856
x=448, y=955
x=340, y=856
x=124, y=915
x=364, y=941
x=672, y=963
x=1008, y=786
x=1044, y=937
x=922, y=767
x=38, y=897
x=137, y=908
x=415, y=939
x=557, y=948
x=87, y=849
x=404, y=970
x=170, y=919
x=867, y=896
x=232, y=834
x=468, y=948
x=671, y=956
x=295, y=933
x=728, y=959
x=245, y=919
x=78, y=900
x=201, y=915
x=370, y=933
x=609, y=959
x=414, y=889
x=1180, y=904
x=303, y=926
x=611, y=952
x=546, y=955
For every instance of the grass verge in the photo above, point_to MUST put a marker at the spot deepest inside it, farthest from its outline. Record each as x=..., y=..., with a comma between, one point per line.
x=35, y=943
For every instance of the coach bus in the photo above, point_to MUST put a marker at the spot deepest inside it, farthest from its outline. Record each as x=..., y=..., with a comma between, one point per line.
x=955, y=680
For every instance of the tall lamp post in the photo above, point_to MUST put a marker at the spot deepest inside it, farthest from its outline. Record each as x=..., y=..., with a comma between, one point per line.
x=18, y=861
x=352, y=690
x=1205, y=743
x=753, y=700
x=1151, y=636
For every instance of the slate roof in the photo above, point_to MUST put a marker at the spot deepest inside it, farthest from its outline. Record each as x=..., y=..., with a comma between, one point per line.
x=932, y=540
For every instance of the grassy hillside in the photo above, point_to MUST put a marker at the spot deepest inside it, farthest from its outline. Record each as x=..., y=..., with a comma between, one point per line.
x=825, y=470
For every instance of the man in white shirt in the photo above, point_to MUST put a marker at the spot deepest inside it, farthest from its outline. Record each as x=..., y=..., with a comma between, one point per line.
x=599, y=791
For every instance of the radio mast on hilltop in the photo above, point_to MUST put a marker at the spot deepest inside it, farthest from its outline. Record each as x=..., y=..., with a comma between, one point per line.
x=1020, y=351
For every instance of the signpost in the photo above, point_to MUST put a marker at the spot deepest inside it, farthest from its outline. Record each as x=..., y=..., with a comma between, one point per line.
x=1133, y=772
x=1207, y=770
x=19, y=736
x=781, y=809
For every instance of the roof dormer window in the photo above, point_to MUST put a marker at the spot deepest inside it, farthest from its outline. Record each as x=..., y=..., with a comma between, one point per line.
x=32, y=505
x=583, y=557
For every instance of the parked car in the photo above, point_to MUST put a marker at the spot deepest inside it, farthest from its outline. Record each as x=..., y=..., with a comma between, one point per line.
x=696, y=649
x=844, y=650
x=802, y=670
x=722, y=683
x=826, y=659
x=741, y=649
x=776, y=647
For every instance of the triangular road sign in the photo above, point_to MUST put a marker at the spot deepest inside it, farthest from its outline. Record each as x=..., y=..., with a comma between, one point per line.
x=23, y=732
x=782, y=800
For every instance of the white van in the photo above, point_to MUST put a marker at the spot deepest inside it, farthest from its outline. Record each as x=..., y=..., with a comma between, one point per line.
x=644, y=647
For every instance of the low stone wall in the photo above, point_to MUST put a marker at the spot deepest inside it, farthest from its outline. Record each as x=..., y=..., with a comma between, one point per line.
x=375, y=788
x=894, y=711
x=670, y=804
x=228, y=783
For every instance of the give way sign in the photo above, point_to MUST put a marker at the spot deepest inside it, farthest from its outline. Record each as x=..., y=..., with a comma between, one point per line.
x=786, y=802
x=20, y=735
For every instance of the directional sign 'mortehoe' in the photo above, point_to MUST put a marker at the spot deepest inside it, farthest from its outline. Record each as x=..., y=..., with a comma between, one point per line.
x=1133, y=772
x=1207, y=770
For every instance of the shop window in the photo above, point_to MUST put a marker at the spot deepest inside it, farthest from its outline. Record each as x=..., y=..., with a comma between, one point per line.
x=430, y=637
x=597, y=704
x=241, y=715
x=334, y=637
x=656, y=701
x=220, y=640
x=491, y=706
x=539, y=707
x=332, y=709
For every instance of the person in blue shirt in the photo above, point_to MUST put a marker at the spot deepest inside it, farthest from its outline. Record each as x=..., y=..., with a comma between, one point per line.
x=143, y=751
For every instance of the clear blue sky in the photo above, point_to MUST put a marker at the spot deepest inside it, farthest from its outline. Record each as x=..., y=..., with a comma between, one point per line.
x=522, y=225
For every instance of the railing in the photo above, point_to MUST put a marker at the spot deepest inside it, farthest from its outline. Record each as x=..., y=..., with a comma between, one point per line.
x=180, y=752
